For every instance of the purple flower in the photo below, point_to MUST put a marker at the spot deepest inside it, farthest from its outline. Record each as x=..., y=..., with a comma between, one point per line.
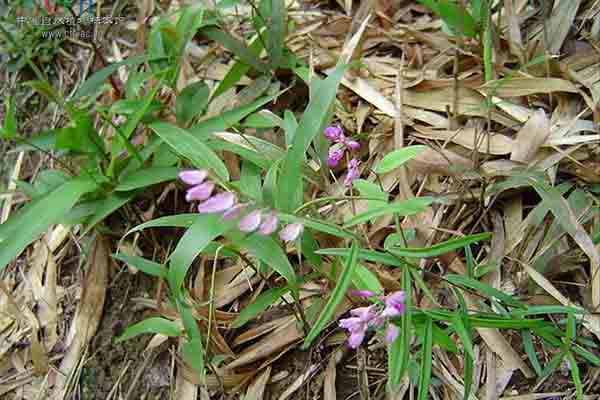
x=394, y=304
x=334, y=133
x=269, y=225
x=234, y=211
x=335, y=155
x=352, y=144
x=353, y=172
x=358, y=324
x=217, y=203
x=362, y=293
x=356, y=339
x=250, y=222
x=200, y=192
x=193, y=177
x=391, y=333
x=291, y=232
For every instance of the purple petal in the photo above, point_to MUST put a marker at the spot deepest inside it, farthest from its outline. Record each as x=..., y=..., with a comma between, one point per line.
x=356, y=339
x=234, y=211
x=395, y=299
x=291, y=232
x=200, y=192
x=391, y=312
x=193, y=177
x=364, y=313
x=352, y=144
x=362, y=293
x=352, y=324
x=250, y=222
x=333, y=133
x=335, y=155
x=218, y=203
x=391, y=333
x=269, y=225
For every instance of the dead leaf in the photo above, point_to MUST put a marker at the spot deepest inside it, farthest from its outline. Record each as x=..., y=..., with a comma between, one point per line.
x=531, y=137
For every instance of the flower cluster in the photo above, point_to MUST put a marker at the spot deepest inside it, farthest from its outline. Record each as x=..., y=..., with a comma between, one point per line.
x=265, y=221
x=340, y=143
x=374, y=316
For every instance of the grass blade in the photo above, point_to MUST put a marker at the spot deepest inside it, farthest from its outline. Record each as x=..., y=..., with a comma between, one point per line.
x=403, y=208
x=440, y=248
x=192, y=148
x=426, y=361
x=151, y=325
x=397, y=158
x=336, y=296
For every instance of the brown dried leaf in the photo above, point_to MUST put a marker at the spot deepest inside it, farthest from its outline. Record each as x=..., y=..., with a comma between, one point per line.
x=256, y=390
x=516, y=87
x=89, y=310
x=531, y=137
x=494, y=143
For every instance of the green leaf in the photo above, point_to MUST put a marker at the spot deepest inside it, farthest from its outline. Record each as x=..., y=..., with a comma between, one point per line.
x=482, y=288
x=397, y=158
x=147, y=177
x=151, y=325
x=191, y=148
x=530, y=351
x=552, y=364
x=268, y=250
x=23, y=228
x=368, y=255
x=193, y=351
x=237, y=47
x=399, y=353
x=320, y=226
x=440, y=248
x=178, y=221
x=261, y=303
x=222, y=122
x=336, y=296
x=250, y=181
x=406, y=207
x=94, y=82
x=364, y=279
x=192, y=101
x=426, y=359
x=289, y=195
x=289, y=126
x=146, y=266
x=575, y=374
x=9, y=130
x=463, y=334
x=372, y=191
x=454, y=15
x=276, y=32
x=104, y=207
x=205, y=229
x=239, y=69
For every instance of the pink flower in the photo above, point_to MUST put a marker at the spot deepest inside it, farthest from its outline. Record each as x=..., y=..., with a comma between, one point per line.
x=356, y=339
x=362, y=293
x=200, y=192
x=353, y=172
x=291, y=232
x=217, y=203
x=358, y=324
x=193, y=177
x=335, y=155
x=394, y=304
x=334, y=133
x=352, y=144
x=250, y=222
x=269, y=225
x=391, y=333
x=234, y=211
